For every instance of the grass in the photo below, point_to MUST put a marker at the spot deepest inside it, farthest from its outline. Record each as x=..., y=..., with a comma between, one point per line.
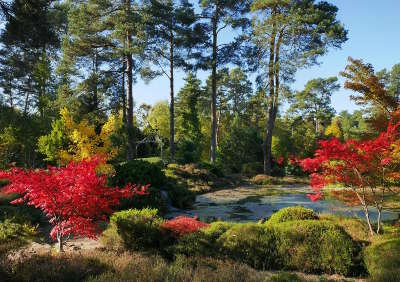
x=153, y=160
x=382, y=259
x=111, y=266
x=105, y=266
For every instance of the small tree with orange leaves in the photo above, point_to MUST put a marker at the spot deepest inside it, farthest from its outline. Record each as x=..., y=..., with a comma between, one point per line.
x=362, y=79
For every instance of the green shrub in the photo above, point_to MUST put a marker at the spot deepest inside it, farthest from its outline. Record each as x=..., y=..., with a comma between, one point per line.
x=316, y=246
x=203, y=242
x=10, y=230
x=310, y=246
x=241, y=144
x=20, y=214
x=14, y=235
x=141, y=172
x=193, y=177
x=134, y=230
x=357, y=228
x=216, y=229
x=3, y=182
x=382, y=260
x=294, y=169
x=180, y=196
x=292, y=213
x=251, y=169
x=187, y=151
x=252, y=244
x=211, y=168
x=285, y=277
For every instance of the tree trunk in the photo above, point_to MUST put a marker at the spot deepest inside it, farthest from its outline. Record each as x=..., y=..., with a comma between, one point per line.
x=364, y=205
x=60, y=243
x=271, y=107
x=172, y=103
x=26, y=107
x=214, y=88
x=378, y=229
x=129, y=92
x=268, y=142
x=124, y=120
x=371, y=230
x=60, y=247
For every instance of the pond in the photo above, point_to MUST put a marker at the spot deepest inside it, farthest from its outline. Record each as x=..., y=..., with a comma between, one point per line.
x=252, y=203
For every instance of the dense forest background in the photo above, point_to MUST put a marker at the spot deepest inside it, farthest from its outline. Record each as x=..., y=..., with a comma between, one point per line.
x=68, y=71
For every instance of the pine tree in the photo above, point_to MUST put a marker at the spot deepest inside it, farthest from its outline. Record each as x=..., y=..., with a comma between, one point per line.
x=187, y=104
x=288, y=35
x=30, y=39
x=314, y=102
x=171, y=25
x=112, y=37
x=218, y=16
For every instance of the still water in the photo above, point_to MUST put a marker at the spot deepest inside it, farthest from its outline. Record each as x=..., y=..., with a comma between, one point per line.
x=254, y=203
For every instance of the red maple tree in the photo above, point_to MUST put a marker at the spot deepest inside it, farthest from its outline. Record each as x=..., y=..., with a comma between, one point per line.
x=75, y=198
x=368, y=169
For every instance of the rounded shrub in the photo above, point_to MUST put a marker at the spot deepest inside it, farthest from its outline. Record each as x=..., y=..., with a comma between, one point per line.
x=180, y=196
x=216, y=229
x=134, y=230
x=202, y=243
x=13, y=235
x=293, y=213
x=382, y=260
x=139, y=172
x=251, y=169
x=315, y=246
x=211, y=168
x=250, y=243
x=143, y=173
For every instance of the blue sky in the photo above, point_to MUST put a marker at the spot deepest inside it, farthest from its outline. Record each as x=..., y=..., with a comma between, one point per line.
x=374, y=36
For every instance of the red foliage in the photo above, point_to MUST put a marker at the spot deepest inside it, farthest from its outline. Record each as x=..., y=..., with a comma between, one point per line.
x=354, y=163
x=293, y=160
x=182, y=225
x=74, y=198
x=280, y=161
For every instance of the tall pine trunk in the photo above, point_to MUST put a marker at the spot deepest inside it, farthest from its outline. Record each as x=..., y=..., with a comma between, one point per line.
x=271, y=107
x=129, y=92
x=214, y=88
x=124, y=120
x=172, y=103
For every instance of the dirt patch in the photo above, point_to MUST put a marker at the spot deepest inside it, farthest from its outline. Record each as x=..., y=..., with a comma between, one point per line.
x=75, y=246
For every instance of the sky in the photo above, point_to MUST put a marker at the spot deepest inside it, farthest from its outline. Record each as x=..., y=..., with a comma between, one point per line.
x=374, y=36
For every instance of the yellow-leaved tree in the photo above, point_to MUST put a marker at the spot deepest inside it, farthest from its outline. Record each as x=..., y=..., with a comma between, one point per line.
x=70, y=140
x=334, y=129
